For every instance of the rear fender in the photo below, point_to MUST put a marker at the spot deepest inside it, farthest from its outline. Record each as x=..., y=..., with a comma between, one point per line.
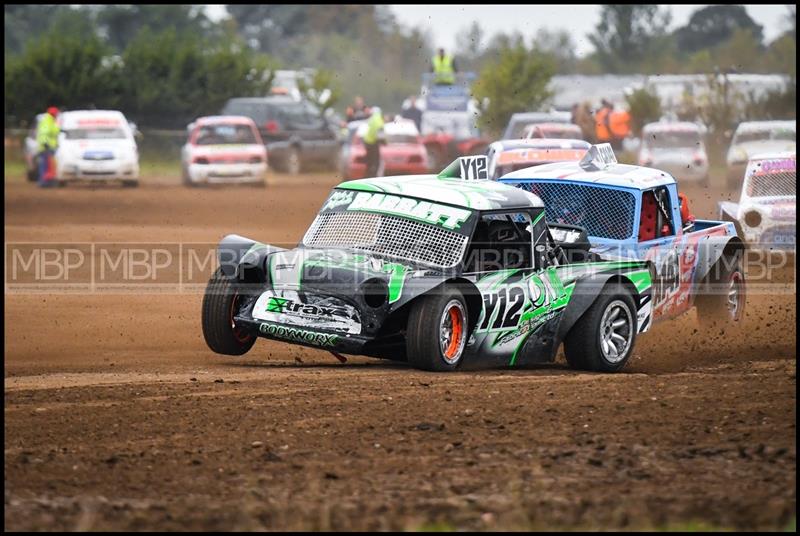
x=587, y=290
x=728, y=212
x=711, y=249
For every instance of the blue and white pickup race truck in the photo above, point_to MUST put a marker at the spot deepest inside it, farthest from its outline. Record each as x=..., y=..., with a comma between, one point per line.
x=635, y=212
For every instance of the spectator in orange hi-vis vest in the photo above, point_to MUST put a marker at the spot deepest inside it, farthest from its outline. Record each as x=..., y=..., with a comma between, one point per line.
x=619, y=124
x=602, y=130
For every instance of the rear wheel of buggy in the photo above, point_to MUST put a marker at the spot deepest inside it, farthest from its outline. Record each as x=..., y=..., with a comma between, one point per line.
x=436, y=334
x=602, y=339
x=220, y=304
x=723, y=298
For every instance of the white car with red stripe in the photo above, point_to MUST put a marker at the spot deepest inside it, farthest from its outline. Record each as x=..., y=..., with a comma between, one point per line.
x=96, y=146
x=224, y=149
x=766, y=213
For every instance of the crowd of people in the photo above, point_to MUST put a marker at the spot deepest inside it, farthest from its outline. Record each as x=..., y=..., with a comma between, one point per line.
x=606, y=125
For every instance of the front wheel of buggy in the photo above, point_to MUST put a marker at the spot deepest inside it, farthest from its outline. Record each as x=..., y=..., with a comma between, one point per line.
x=220, y=304
x=436, y=333
x=602, y=339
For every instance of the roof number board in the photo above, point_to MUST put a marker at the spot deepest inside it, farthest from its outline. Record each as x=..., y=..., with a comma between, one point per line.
x=474, y=168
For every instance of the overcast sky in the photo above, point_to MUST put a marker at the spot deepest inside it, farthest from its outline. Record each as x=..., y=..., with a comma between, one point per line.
x=443, y=22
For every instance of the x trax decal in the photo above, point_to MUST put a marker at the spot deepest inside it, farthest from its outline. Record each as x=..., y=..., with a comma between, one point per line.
x=434, y=213
x=290, y=308
x=286, y=306
x=298, y=335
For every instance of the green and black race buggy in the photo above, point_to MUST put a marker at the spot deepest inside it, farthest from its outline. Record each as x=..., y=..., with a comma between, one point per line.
x=438, y=271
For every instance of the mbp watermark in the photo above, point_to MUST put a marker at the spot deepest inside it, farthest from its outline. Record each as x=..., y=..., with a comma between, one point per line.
x=186, y=267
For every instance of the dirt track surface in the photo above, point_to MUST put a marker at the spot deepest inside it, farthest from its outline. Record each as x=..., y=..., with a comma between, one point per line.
x=117, y=416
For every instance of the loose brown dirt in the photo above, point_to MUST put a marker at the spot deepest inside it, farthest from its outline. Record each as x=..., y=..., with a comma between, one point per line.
x=117, y=416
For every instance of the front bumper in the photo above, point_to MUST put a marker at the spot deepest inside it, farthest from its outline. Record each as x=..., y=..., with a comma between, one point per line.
x=772, y=238
x=346, y=343
x=227, y=173
x=103, y=170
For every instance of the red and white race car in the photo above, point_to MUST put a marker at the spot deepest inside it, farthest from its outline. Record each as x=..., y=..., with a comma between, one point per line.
x=402, y=154
x=224, y=149
x=506, y=156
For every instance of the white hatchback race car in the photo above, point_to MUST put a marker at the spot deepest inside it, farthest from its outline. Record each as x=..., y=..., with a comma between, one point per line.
x=754, y=138
x=767, y=210
x=224, y=149
x=96, y=146
x=677, y=148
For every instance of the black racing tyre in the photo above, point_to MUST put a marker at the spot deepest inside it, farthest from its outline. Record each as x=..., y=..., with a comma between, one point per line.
x=293, y=165
x=722, y=296
x=602, y=339
x=220, y=303
x=128, y=183
x=187, y=181
x=437, y=331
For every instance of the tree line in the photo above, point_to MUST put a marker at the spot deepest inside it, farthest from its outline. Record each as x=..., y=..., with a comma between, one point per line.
x=163, y=65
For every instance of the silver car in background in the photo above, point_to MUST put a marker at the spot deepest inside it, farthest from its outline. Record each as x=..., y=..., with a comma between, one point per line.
x=677, y=148
x=519, y=121
x=756, y=137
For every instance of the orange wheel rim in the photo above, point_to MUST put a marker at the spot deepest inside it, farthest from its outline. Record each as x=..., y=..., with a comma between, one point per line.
x=457, y=327
x=240, y=334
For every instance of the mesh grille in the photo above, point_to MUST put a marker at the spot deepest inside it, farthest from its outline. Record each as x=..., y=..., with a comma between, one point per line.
x=386, y=235
x=769, y=184
x=605, y=213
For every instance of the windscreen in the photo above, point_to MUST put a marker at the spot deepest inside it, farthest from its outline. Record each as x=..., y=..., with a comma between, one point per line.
x=516, y=129
x=673, y=140
x=401, y=138
x=225, y=135
x=778, y=182
x=393, y=226
x=753, y=135
x=257, y=112
x=460, y=125
x=553, y=132
x=103, y=133
x=603, y=212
